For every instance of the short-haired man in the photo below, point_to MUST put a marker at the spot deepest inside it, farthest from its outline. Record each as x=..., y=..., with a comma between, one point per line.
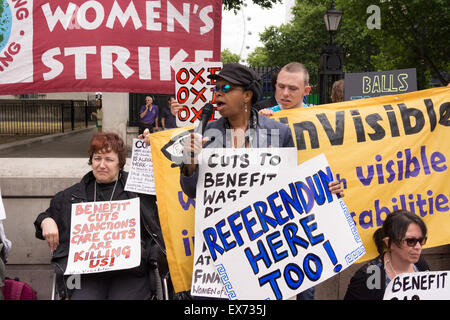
x=291, y=88
x=148, y=116
x=168, y=120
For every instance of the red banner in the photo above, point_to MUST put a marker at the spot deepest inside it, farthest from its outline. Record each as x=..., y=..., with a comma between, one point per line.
x=107, y=45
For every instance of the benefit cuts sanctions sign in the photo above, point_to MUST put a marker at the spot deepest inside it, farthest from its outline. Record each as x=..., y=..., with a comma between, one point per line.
x=108, y=45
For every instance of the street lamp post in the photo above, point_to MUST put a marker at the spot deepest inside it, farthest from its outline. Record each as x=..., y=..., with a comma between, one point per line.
x=332, y=55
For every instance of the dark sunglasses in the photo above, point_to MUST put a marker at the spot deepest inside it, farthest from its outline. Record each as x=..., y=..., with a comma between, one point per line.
x=224, y=88
x=411, y=242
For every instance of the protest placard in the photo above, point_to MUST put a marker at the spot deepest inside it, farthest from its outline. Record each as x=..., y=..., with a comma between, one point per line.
x=140, y=178
x=380, y=83
x=104, y=46
x=419, y=286
x=226, y=175
x=104, y=236
x=2, y=208
x=193, y=90
x=283, y=237
x=386, y=152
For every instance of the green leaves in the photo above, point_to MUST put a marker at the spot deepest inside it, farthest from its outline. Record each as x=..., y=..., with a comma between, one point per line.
x=236, y=4
x=396, y=45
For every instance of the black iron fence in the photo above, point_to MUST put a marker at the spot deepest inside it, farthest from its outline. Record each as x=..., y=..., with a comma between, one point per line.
x=44, y=116
x=267, y=73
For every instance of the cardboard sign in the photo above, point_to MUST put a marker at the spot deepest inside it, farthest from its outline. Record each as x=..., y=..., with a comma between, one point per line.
x=225, y=176
x=140, y=178
x=193, y=90
x=382, y=83
x=104, y=236
x=284, y=237
x=419, y=286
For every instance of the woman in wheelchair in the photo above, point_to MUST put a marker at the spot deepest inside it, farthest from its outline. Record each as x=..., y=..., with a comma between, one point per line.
x=106, y=182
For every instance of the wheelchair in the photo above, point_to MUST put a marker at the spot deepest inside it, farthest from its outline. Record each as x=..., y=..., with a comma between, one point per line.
x=161, y=285
x=155, y=259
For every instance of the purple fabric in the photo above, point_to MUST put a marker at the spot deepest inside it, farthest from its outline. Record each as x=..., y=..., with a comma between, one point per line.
x=151, y=115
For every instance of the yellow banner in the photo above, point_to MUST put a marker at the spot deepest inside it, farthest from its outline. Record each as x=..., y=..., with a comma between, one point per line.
x=176, y=210
x=389, y=153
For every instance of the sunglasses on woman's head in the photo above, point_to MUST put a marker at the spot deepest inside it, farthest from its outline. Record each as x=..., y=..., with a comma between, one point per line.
x=411, y=242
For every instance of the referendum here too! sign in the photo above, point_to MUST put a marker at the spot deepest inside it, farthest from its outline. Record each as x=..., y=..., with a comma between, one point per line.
x=225, y=176
x=283, y=237
x=106, y=46
x=104, y=236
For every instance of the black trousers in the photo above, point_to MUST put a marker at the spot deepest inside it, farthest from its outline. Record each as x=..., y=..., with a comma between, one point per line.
x=113, y=285
x=143, y=126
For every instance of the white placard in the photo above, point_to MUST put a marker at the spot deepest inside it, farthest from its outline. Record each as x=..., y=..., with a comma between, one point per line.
x=419, y=286
x=226, y=175
x=105, y=236
x=283, y=237
x=193, y=90
x=140, y=178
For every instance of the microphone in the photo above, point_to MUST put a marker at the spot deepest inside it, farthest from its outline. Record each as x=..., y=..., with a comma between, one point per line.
x=206, y=115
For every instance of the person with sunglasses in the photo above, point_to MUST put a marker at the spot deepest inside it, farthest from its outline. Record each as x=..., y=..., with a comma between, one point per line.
x=240, y=126
x=399, y=243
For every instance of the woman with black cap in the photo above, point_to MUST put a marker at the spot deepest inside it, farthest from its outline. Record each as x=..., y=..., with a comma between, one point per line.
x=241, y=126
x=237, y=90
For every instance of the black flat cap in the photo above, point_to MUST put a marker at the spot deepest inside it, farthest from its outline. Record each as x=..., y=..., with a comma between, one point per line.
x=239, y=74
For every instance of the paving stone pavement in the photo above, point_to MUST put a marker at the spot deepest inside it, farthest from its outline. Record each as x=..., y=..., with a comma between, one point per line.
x=70, y=145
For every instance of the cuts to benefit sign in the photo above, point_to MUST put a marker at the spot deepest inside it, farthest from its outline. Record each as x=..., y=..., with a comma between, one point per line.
x=284, y=236
x=104, y=236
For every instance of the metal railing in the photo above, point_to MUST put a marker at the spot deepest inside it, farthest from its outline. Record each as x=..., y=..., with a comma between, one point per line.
x=25, y=117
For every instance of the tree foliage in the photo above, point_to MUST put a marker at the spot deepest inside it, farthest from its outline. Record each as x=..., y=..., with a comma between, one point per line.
x=237, y=4
x=396, y=45
x=226, y=56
